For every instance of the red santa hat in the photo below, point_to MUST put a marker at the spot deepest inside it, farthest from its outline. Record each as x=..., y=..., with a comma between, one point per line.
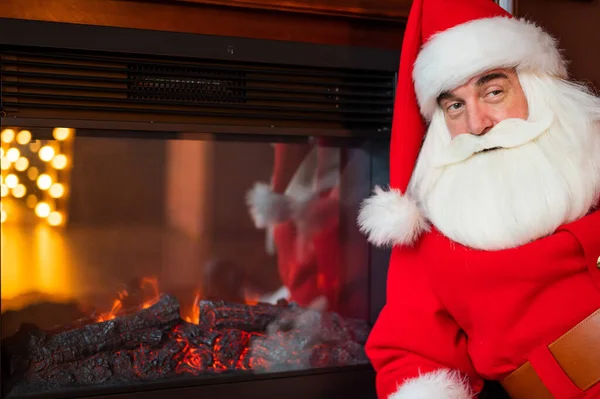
x=446, y=43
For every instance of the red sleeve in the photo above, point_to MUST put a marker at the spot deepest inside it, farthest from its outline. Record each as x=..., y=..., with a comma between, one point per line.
x=414, y=334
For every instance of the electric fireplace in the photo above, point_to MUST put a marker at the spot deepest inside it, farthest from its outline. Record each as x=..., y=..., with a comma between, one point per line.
x=178, y=213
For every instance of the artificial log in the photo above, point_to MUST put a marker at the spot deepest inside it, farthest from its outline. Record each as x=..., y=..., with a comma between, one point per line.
x=143, y=327
x=221, y=314
x=155, y=343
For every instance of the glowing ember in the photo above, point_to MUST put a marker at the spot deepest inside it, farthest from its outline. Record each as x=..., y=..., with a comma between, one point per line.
x=153, y=341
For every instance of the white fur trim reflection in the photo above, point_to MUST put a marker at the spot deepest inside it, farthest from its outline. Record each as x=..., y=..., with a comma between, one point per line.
x=266, y=207
x=440, y=384
x=390, y=218
x=452, y=57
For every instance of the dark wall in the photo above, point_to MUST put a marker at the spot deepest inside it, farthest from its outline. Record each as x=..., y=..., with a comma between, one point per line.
x=576, y=24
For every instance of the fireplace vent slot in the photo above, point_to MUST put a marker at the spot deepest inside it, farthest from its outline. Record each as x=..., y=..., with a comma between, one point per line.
x=97, y=86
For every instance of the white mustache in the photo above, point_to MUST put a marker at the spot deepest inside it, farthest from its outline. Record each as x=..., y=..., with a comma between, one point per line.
x=509, y=133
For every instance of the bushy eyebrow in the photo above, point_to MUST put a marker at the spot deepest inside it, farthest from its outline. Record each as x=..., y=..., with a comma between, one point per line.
x=489, y=77
x=446, y=95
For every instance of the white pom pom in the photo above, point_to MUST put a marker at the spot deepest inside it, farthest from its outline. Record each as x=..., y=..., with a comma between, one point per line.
x=390, y=218
x=440, y=384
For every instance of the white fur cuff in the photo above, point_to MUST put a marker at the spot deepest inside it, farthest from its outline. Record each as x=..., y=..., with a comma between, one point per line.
x=440, y=384
x=390, y=218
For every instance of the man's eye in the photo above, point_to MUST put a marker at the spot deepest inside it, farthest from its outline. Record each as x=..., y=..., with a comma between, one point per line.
x=454, y=107
x=495, y=93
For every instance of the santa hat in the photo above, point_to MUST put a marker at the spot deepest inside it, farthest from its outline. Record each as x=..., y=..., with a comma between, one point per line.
x=446, y=43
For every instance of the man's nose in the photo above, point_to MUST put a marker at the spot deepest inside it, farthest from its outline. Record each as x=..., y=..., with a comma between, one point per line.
x=479, y=122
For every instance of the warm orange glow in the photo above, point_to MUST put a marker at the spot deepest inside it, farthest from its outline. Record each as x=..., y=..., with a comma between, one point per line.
x=150, y=287
x=21, y=164
x=55, y=218
x=31, y=201
x=24, y=137
x=19, y=191
x=42, y=209
x=59, y=161
x=44, y=182
x=195, y=316
x=61, y=133
x=46, y=153
x=116, y=307
x=13, y=154
x=7, y=135
x=57, y=190
x=11, y=181
x=32, y=173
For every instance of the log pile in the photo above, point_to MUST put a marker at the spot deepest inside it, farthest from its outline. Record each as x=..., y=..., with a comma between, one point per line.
x=155, y=343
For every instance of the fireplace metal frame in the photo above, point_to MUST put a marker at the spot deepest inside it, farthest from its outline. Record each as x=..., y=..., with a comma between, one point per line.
x=351, y=381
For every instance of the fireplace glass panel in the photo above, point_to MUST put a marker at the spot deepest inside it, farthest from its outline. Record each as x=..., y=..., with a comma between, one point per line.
x=137, y=257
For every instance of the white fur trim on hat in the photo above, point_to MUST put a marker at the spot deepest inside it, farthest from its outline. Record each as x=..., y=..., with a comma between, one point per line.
x=440, y=384
x=452, y=57
x=390, y=218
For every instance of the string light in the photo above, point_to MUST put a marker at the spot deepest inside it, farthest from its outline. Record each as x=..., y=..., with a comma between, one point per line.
x=13, y=154
x=24, y=137
x=11, y=181
x=7, y=135
x=42, y=209
x=46, y=153
x=59, y=162
x=35, y=175
x=44, y=181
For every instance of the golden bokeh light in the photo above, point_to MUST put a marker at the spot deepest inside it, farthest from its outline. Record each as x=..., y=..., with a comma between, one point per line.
x=3, y=216
x=7, y=135
x=59, y=162
x=31, y=201
x=44, y=181
x=23, y=137
x=42, y=209
x=35, y=146
x=46, y=153
x=13, y=154
x=55, y=218
x=21, y=164
x=19, y=191
x=57, y=190
x=11, y=181
x=33, y=173
x=61, y=133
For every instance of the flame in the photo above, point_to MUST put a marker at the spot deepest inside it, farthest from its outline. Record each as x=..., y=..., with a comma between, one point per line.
x=116, y=307
x=152, y=282
x=151, y=294
x=195, y=316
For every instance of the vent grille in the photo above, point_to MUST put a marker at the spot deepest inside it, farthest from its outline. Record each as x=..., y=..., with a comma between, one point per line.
x=113, y=87
x=155, y=83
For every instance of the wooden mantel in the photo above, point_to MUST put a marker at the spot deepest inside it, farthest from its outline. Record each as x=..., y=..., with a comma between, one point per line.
x=394, y=10
x=370, y=23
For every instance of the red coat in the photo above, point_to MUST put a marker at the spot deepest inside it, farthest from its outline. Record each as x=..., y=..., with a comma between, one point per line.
x=483, y=313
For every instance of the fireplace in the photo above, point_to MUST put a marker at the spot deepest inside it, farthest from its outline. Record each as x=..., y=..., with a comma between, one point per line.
x=178, y=213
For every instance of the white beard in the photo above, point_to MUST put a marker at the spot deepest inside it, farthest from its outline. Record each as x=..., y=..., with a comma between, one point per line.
x=547, y=173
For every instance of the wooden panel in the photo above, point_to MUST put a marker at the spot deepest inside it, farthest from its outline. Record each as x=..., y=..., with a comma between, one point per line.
x=176, y=16
x=376, y=9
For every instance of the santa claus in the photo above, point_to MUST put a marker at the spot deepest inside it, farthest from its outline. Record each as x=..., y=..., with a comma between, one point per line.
x=491, y=212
